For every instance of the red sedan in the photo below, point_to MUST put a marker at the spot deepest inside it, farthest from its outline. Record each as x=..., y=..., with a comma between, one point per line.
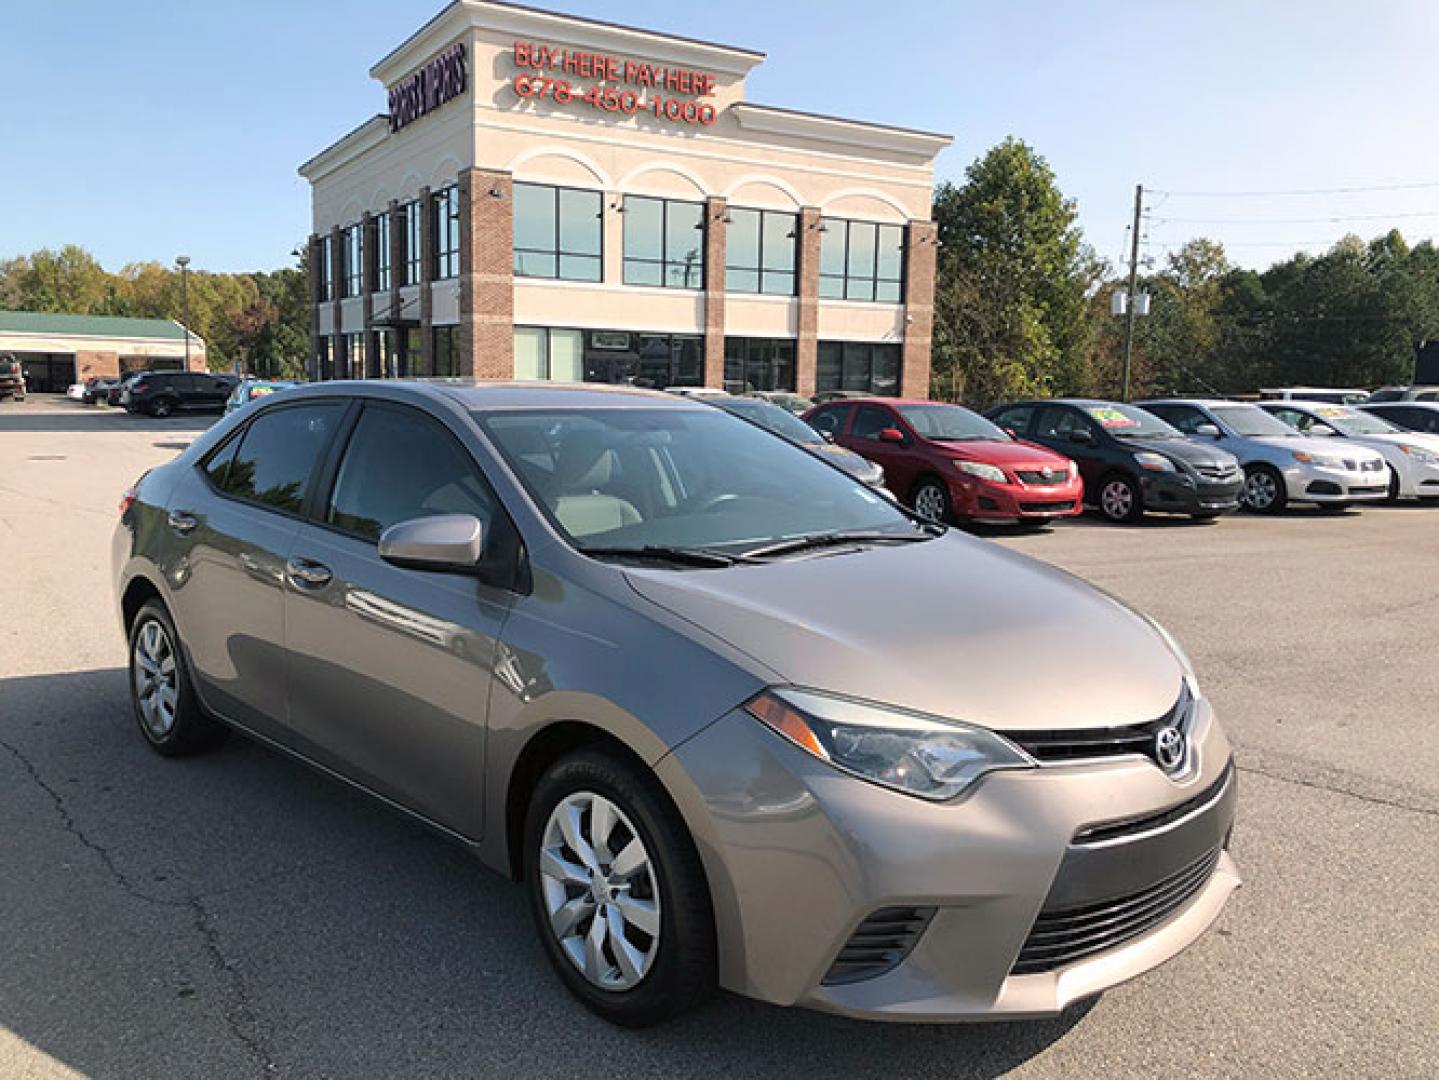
x=949, y=463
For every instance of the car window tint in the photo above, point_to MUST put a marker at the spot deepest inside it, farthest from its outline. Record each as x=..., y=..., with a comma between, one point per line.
x=400, y=465
x=830, y=420
x=1017, y=419
x=1057, y=423
x=278, y=453
x=870, y=420
x=1185, y=417
x=219, y=462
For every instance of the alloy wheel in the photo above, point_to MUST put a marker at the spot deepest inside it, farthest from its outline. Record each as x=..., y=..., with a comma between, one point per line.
x=156, y=680
x=1260, y=490
x=929, y=503
x=600, y=891
x=1116, y=500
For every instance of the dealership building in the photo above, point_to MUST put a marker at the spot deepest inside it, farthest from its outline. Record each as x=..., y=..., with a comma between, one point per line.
x=57, y=350
x=554, y=198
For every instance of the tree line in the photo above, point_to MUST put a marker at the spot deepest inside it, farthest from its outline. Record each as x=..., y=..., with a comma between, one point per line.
x=1022, y=303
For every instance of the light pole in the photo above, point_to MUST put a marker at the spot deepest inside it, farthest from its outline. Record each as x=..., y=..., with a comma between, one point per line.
x=183, y=261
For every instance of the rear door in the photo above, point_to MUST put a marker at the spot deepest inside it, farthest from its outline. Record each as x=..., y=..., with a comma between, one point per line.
x=390, y=669
x=234, y=519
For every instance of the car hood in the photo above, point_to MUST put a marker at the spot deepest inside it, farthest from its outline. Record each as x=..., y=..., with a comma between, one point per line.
x=1420, y=439
x=1006, y=453
x=956, y=627
x=859, y=467
x=1190, y=451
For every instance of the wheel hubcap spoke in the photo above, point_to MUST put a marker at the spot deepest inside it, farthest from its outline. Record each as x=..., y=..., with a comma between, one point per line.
x=641, y=914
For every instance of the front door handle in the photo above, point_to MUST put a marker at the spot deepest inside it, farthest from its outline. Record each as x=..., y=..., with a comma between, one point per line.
x=182, y=521
x=308, y=574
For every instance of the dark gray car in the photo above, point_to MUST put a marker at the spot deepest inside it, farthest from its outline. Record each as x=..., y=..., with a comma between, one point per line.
x=787, y=425
x=732, y=717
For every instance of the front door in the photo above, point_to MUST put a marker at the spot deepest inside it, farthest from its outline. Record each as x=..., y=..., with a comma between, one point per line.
x=389, y=669
x=897, y=459
x=1066, y=430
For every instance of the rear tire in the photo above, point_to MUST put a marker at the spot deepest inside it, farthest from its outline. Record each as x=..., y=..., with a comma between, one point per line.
x=161, y=693
x=617, y=891
x=1264, y=491
x=161, y=409
x=1120, y=500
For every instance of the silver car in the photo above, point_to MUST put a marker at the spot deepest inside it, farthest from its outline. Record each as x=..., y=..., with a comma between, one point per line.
x=732, y=718
x=1280, y=465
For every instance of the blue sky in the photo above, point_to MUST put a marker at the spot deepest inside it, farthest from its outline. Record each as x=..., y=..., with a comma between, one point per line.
x=144, y=130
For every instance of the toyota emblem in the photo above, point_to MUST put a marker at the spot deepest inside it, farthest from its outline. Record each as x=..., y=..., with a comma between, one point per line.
x=1169, y=748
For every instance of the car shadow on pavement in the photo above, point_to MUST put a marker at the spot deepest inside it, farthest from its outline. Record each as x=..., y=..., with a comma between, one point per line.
x=69, y=416
x=238, y=914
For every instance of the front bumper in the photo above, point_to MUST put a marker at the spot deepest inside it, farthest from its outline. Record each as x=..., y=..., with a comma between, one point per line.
x=799, y=854
x=1179, y=493
x=1322, y=484
x=984, y=500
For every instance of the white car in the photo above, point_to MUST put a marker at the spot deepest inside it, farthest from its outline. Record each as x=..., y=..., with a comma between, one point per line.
x=1413, y=457
x=75, y=391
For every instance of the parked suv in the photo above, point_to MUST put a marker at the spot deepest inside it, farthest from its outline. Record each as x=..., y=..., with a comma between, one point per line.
x=1403, y=393
x=1130, y=460
x=949, y=463
x=1280, y=465
x=731, y=717
x=12, y=378
x=160, y=393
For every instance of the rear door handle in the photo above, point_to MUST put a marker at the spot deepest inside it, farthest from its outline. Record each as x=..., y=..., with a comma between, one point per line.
x=308, y=574
x=182, y=521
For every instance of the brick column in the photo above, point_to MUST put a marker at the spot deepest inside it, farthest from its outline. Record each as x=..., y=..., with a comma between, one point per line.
x=919, y=267
x=337, y=278
x=427, y=276
x=716, y=230
x=397, y=260
x=312, y=362
x=367, y=293
x=487, y=274
x=807, y=346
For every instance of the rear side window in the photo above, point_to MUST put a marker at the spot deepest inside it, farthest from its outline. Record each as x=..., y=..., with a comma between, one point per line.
x=1017, y=419
x=401, y=465
x=277, y=455
x=1057, y=423
x=218, y=464
x=830, y=420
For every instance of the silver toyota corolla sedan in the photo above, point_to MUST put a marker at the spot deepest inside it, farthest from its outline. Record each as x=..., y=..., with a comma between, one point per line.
x=732, y=718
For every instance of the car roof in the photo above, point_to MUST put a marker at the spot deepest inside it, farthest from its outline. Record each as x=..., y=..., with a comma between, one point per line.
x=1396, y=404
x=491, y=395
x=1207, y=402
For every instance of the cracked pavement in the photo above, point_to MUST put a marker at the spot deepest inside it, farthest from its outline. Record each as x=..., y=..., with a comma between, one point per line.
x=236, y=915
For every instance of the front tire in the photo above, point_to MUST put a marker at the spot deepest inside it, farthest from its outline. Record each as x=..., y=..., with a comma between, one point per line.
x=1120, y=500
x=161, y=409
x=617, y=891
x=930, y=501
x=161, y=692
x=1264, y=491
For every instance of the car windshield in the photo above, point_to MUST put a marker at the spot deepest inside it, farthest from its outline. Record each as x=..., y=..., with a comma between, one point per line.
x=637, y=479
x=1250, y=421
x=772, y=418
x=951, y=423
x=1353, y=422
x=1128, y=422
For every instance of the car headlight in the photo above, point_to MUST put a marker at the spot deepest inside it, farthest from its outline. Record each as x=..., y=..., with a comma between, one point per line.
x=1147, y=459
x=1073, y=469
x=931, y=758
x=1324, y=461
x=981, y=470
x=1419, y=454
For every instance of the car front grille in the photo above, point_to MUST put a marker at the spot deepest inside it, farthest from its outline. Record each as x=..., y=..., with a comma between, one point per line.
x=1126, y=828
x=878, y=944
x=1039, y=478
x=1062, y=936
x=1053, y=507
x=1084, y=744
x=1218, y=472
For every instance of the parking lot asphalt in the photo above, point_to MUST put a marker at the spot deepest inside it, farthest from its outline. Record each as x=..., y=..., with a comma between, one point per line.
x=236, y=915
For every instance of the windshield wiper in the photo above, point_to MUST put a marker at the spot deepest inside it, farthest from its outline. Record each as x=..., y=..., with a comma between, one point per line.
x=660, y=553
x=832, y=539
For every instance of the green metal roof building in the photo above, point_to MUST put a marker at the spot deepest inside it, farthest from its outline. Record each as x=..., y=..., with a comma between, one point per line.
x=57, y=350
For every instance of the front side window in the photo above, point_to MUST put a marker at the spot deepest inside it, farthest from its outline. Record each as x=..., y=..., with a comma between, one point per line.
x=1016, y=418
x=414, y=250
x=861, y=260
x=858, y=366
x=277, y=455
x=352, y=253
x=558, y=233
x=445, y=206
x=664, y=243
x=870, y=420
x=399, y=466
x=381, y=226
x=1059, y=422
x=629, y=478
x=759, y=252
x=1185, y=418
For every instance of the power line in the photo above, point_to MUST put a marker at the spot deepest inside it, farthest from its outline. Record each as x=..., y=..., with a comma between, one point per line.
x=1297, y=191
x=1291, y=221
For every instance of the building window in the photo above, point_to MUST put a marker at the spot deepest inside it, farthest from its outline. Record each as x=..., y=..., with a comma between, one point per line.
x=558, y=233
x=664, y=243
x=323, y=273
x=446, y=211
x=651, y=360
x=759, y=252
x=381, y=225
x=862, y=366
x=410, y=267
x=447, y=351
x=355, y=356
x=859, y=260
x=324, y=358
x=352, y=260
x=759, y=364
x=543, y=353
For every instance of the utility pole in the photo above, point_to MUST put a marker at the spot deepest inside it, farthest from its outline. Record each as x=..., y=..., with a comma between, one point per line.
x=184, y=261
x=1133, y=281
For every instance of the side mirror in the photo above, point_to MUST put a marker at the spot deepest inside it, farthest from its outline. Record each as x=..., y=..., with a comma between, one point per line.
x=444, y=542
x=1209, y=431
x=891, y=435
x=1321, y=429
x=827, y=436
x=1081, y=435
x=1011, y=433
